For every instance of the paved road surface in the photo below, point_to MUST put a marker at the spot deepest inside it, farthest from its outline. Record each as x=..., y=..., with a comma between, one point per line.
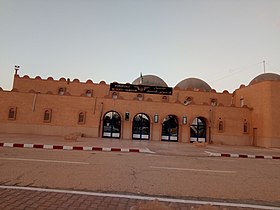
x=240, y=180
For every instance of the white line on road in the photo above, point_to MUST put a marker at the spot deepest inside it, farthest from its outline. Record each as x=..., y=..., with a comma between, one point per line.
x=171, y=200
x=220, y=160
x=46, y=161
x=147, y=150
x=192, y=169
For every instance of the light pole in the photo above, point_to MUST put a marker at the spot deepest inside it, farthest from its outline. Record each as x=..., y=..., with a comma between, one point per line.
x=16, y=69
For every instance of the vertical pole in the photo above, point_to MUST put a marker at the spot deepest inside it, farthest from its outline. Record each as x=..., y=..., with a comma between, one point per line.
x=16, y=70
x=264, y=66
x=100, y=120
x=141, y=79
x=34, y=102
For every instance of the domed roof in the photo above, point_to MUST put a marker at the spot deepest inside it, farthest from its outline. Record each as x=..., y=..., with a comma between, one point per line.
x=193, y=83
x=151, y=80
x=265, y=77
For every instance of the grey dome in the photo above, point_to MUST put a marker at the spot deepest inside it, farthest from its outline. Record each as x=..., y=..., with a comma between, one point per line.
x=265, y=77
x=193, y=83
x=150, y=80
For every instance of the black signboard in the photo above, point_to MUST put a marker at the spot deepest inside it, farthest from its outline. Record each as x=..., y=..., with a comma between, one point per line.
x=140, y=89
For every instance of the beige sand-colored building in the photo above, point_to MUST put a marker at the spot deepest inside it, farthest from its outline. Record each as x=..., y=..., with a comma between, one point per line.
x=146, y=109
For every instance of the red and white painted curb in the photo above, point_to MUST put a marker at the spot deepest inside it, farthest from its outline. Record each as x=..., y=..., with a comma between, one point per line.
x=211, y=154
x=83, y=148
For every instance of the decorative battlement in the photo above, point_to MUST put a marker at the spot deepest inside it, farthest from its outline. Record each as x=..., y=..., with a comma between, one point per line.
x=62, y=79
x=51, y=86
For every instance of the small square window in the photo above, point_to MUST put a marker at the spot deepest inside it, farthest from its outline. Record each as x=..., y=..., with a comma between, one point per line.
x=12, y=113
x=82, y=118
x=47, y=115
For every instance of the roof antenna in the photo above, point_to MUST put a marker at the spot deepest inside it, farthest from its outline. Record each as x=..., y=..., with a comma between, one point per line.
x=16, y=69
x=141, y=78
x=264, y=66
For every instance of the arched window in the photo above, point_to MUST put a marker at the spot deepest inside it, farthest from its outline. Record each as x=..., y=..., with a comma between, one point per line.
x=241, y=101
x=141, y=127
x=82, y=118
x=221, y=126
x=140, y=97
x=47, y=115
x=188, y=101
x=164, y=99
x=61, y=91
x=169, y=128
x=89, y=93
x=12, y=113
x=213, y=102
x=111, y=125
x=198, y=130
x=114, y=95
x=245, y=127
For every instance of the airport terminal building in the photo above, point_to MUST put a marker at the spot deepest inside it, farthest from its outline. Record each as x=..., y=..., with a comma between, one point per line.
x=145, y=109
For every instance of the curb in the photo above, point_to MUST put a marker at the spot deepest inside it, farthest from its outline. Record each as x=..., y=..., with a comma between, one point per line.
x=81, y=148
x=211, y=154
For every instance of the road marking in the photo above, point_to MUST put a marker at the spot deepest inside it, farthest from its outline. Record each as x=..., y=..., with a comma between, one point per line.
x=159, y=155
x=28, y=145
x=8, y=144
x=147, y=150
x=221, y=160
x=87, y=148
x=192, y=169
x=46, y=146
x=106, y=149
x=150, y=198
x=46, y=161
x=124, y=150
x=68, y=147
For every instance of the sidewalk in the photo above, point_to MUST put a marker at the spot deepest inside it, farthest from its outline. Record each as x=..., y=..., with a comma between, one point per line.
x=38, y=198
x=116, y=145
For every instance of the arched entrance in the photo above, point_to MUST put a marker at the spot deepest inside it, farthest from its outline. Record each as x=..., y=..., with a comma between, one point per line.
x=111, y=125
x=141, y=127
x=170, y=128
x=198, y=130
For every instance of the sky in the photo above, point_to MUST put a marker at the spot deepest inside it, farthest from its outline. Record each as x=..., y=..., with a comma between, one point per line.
x=223, y=42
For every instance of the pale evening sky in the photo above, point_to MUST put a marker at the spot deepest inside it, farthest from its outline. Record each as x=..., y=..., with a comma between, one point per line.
x=222, y=42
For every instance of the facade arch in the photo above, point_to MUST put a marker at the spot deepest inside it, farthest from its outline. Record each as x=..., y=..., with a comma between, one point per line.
x=141, y=127
x=170, y=128
x=198, y=130
x=111, y=125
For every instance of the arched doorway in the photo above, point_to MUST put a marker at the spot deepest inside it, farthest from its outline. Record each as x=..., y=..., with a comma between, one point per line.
x=170, y=128
x=198, y=130
x=141, y=127
x=111, y=125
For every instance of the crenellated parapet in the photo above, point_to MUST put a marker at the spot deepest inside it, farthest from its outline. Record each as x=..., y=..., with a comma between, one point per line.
x=61, y=86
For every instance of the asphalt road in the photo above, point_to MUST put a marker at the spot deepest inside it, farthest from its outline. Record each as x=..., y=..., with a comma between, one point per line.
x=239, y=180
